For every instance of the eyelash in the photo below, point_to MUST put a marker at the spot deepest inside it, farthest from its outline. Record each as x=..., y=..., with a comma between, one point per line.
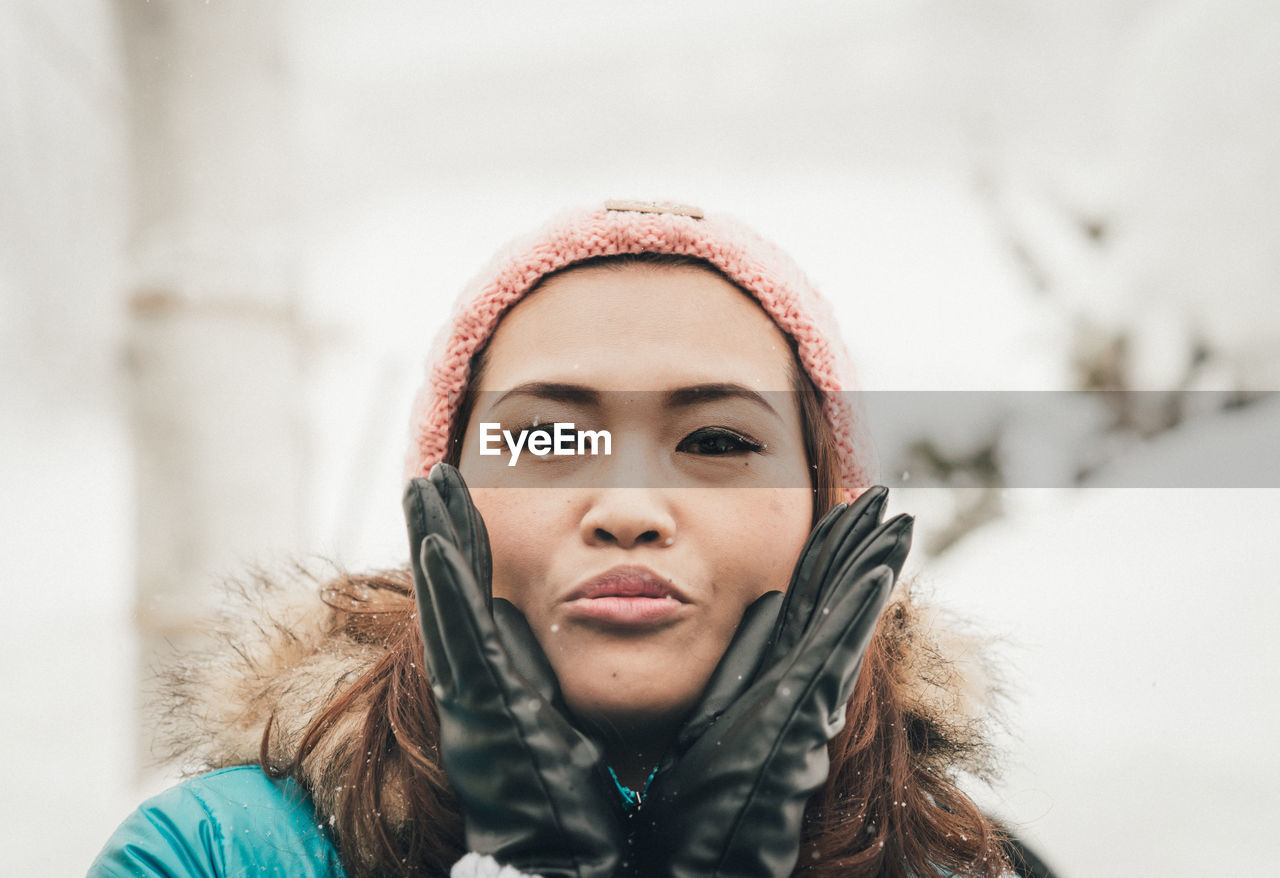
x=741, y=442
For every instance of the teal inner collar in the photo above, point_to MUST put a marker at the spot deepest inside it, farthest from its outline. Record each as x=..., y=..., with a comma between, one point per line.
x=630, y=798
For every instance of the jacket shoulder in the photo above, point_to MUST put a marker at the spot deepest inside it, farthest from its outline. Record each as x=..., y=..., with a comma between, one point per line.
x=233, y=822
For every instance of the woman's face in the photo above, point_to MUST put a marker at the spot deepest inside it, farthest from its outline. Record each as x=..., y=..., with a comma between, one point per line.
x=634, y=568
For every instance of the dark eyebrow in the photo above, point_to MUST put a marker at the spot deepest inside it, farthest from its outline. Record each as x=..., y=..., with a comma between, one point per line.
x=571, y=393
x=683, y=397
x=698, y=394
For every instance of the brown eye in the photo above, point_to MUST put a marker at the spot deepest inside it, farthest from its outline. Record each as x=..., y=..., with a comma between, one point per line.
x=717, y=442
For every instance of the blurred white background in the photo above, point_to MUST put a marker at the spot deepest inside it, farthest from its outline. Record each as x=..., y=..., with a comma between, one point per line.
x=229, y=231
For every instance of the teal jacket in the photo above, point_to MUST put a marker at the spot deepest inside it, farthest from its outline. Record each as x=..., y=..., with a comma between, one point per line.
x=226, y=824
x=234, y=823
x=231, y=823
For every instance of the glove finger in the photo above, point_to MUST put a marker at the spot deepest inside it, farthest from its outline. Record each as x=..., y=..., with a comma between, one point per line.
x=419, y=517
x=433, y=655
x=801, y=590
x=858, y=522
x=426, y=513
x=879, y=542
x=840, y=671
x=850, y=589
x=846, y=587
x=850, y=530
x=528, y=780
x=827, y=659
x=888, y=547
x=794, y=701
x=526, y=655
x=468, y=531
x=468, y=642
x=848, y=621
x=868, y=509
x=736, y=669
x=812, y=696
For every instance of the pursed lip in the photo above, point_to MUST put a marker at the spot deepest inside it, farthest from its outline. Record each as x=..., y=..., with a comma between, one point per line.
x=627, y=581
x=627, y=597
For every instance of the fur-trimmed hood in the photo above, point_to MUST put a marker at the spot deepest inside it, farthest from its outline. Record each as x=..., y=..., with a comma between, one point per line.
x=280, y=654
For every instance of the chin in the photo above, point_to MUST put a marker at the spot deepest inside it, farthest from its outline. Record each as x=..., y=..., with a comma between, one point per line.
x=627, y=701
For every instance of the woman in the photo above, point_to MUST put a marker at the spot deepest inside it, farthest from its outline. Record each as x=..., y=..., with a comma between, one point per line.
x=614, y=682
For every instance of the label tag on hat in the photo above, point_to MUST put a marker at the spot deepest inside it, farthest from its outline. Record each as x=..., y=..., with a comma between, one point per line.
x=654, y=207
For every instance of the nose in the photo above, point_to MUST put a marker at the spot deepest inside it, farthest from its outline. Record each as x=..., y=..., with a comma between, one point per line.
x=629, y=517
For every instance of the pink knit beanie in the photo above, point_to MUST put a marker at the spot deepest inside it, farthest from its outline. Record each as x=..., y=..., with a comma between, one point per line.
x=618, y=227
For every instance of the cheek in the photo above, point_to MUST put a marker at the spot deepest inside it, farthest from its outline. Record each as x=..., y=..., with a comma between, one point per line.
x=522, y=528
x=759, y=540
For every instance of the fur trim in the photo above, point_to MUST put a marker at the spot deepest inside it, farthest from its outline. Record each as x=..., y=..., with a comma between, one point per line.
x=274, y=654
x=954, y=693
x=280, y=654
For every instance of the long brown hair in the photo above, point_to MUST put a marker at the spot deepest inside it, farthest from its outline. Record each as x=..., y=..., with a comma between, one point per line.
x=890, y=807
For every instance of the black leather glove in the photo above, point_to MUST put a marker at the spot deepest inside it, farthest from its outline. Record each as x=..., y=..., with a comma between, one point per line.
x=533, y=790
x=729, y=797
